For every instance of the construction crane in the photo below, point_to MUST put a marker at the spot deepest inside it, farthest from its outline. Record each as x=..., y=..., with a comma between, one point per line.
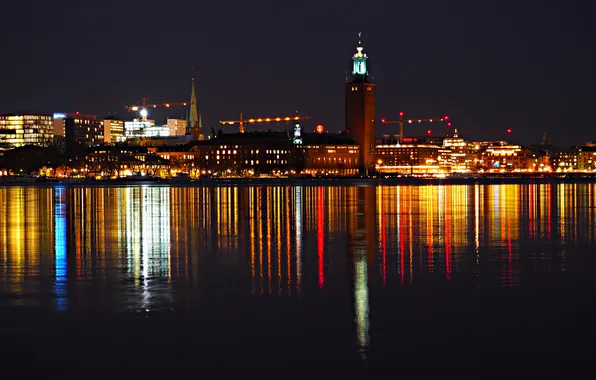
x=142, y=106
x=262, y=120
x=402, y=121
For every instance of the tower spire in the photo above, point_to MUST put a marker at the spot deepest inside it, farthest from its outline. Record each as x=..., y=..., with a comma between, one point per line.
x=359, y=69
x=194, y=126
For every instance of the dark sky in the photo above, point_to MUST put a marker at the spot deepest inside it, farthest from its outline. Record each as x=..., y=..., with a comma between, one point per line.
x=528, y=65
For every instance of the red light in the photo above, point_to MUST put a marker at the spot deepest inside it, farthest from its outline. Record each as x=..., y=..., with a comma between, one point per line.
x=449, y=124
x=429, y=131
x=509, y=130
x=77, y=112
x=320, y=128
x=446, y=118
x=401, y=114
x=383, y=121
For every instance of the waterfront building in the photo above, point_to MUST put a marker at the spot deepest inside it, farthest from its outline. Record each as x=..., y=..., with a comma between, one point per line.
x=247, y=154
x=460, y=155
x=264, y=154
x=25, y=129
x=565, y=160
x=506, y=158
x=329, y=155
x=232, y=155
x=114, y=162
x=360, y=110
x=586, y=158
x=415, y=159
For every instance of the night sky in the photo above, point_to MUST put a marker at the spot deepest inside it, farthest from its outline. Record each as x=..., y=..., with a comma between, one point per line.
x=490, y=65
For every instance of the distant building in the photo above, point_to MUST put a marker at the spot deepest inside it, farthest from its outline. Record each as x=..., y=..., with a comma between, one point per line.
x=26, y=129
x=113, y=161
x=82, y=129
x=360, y=110
x=113, y=130
x=59, y=124
x=247, y=154
x=409, y=159
x=329, y=154
x=565, y=160
x=461, y=156
x=139, y=129
x=177, y=127
x=586, y=158
x=499, y=158
x=165, y=141
x=264, y=153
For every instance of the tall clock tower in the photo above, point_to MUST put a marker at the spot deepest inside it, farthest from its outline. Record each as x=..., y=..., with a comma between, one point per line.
x=360, y=110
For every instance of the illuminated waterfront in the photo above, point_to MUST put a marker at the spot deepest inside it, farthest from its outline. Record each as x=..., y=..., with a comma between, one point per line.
x=337, y=263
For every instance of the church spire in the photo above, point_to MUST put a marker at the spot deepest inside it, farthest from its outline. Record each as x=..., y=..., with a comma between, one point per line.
x=194, y=126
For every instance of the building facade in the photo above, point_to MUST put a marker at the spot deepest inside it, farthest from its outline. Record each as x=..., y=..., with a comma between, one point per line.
x=414, y=159
x=139, y=129
x=177, y=127
x=26, y=129
x=506, y=158
x=83, y=130
x=113, y=130
x=59, y=124
x=586, y=158
x=328, y=155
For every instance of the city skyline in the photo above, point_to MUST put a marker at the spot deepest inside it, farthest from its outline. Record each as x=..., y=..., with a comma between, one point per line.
x=427, y=61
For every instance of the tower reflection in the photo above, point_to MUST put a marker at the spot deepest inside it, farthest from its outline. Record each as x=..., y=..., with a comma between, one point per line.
x=362, y=242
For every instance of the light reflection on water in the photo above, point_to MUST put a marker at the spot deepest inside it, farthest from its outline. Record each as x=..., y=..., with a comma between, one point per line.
x=161, y=248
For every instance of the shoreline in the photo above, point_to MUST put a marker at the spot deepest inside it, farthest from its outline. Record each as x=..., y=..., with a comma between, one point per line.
x=326, y=181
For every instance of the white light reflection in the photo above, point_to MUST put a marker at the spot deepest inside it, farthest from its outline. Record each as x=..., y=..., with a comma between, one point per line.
x=298, y=212
x=361, y=298
x=61, y=262
x=155, y=227
x=148, y=242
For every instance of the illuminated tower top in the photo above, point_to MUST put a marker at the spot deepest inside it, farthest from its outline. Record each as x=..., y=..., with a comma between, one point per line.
x=359, y=69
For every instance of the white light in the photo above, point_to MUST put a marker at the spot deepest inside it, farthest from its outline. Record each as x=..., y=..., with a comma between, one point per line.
x=144, y=112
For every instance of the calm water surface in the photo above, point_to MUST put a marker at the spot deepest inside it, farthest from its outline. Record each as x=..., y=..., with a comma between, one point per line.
x=354, y=277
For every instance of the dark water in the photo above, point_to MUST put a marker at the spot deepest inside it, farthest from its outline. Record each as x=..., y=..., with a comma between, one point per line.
x=309, y=278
